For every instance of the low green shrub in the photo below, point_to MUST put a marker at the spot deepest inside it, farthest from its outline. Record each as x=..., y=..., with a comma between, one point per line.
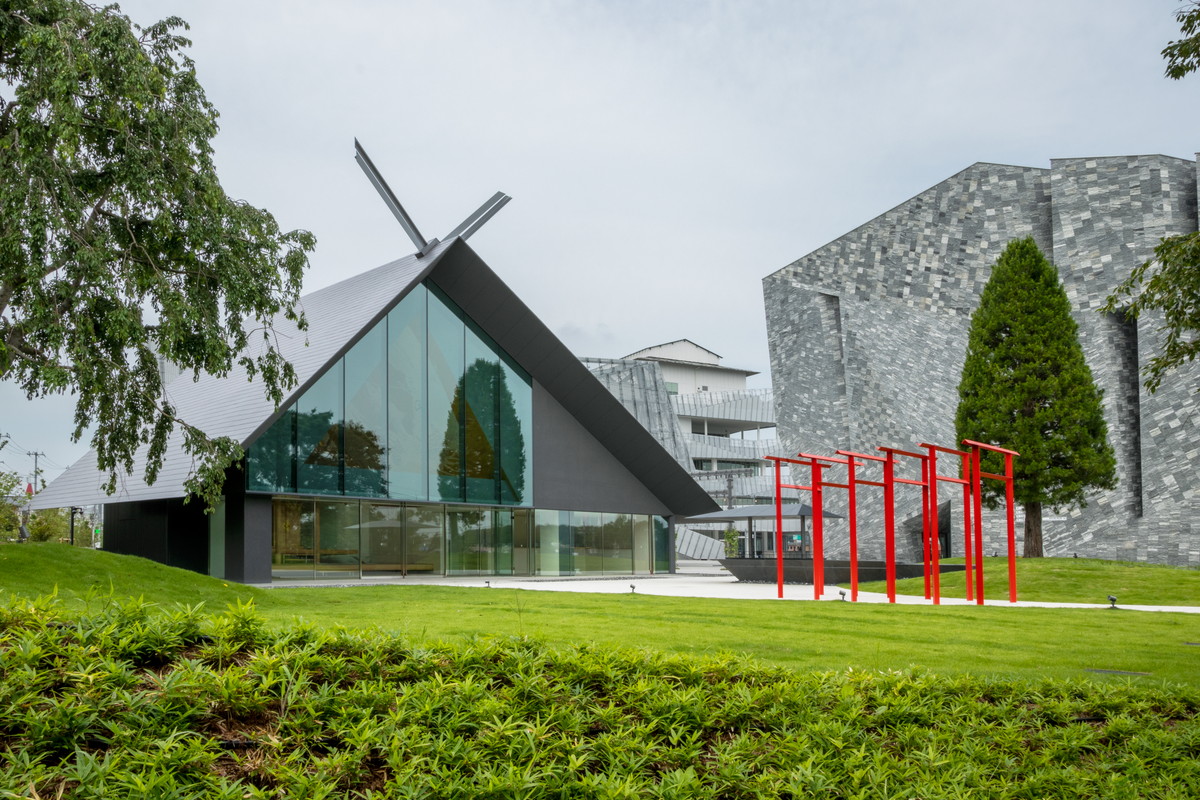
x=123, y=700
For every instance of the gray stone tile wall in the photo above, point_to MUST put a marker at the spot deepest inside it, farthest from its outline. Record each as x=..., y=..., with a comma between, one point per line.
x=867, y=336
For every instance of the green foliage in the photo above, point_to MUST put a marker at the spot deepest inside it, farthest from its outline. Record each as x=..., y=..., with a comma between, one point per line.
x=1168, y=284
x=125, y=701
x=731, y=542
x=10, y=498
x=1025, y=386
x=52, y=524
x=1183, y=55
x=117, y=242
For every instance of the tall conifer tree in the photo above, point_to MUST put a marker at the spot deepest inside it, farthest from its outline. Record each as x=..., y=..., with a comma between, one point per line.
x=1025, y=386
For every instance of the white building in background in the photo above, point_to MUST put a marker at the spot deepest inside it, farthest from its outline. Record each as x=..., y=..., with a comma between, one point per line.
x=702, y=413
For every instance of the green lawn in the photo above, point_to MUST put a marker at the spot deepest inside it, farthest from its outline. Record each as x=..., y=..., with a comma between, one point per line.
x=1069, y=580
x=1020, y=642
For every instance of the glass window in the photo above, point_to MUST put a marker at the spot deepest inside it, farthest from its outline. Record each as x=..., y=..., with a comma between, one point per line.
x=552, y=542
x=470, y=545
x=502, y=542
x=424, y=535
x=523, y=552
x=618, y=544
x=407, y=398
x=662, y=545
x=381, y=538
x=481, y=387
x=271, y=459
x=337, y=538
x=589, y=543
x=293, y=539
x=319, y=435
x=515, y=409
x=365, y=431
x=642, y=546
x=446, y=363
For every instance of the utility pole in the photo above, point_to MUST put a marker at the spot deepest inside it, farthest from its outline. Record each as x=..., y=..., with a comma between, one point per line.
x=35, y=470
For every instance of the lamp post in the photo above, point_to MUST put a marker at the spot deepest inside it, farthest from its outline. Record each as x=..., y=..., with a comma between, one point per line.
x=74, y=510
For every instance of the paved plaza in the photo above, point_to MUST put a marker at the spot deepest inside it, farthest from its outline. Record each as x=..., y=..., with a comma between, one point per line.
x=693, y=579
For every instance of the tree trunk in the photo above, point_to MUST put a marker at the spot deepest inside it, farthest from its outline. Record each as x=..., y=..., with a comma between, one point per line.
x=1033, y=530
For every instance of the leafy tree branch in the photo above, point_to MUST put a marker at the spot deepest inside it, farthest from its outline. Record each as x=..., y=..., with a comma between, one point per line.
x=118, y=244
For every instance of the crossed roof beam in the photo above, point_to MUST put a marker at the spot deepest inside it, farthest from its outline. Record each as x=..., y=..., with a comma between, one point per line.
x=465, y=229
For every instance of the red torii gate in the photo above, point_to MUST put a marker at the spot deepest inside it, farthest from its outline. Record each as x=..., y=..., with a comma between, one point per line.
x=853, y=481
x=889, y=510
x=818, y=531
x=977, y=474
x=933, y=573
x=931, y=544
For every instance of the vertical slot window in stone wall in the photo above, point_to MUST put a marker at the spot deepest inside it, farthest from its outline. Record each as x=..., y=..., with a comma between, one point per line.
x=1128, y=405
x=831, y=324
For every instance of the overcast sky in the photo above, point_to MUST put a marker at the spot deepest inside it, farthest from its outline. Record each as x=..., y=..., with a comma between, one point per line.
x=663, y=157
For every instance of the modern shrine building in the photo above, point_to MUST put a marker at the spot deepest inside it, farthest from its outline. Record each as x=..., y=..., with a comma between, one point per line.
x=438, y=427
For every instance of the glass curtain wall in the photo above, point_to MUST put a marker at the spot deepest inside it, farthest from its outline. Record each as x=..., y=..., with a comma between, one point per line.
x=446, y=361
x=319, y=435
x=407, y=387
x=326, y=538
x=337, y=550
x=589, y=543
x=662, y=544
x=424, y=540
x=423, y=407
x=381, y=538
x=552, y=542
x=618, y=544
x=471, y=541
x=364, y=432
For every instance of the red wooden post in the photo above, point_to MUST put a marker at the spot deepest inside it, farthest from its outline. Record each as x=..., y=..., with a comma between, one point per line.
x=1012, y=533
x=889, y=525
x=968, y=505
x=779, y=528
x=935, y=542
x=853, y=499
x=1007, y=477
x=977, y=491
x=818, y=532
x=926, y=545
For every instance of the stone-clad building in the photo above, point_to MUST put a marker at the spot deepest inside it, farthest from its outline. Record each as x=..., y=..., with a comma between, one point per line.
x=868, y=333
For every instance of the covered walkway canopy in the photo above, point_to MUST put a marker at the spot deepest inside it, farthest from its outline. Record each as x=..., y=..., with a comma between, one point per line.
x=757, y=543
x=751, y=513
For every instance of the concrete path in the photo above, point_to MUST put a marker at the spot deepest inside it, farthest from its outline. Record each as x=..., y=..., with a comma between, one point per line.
x=693, y=579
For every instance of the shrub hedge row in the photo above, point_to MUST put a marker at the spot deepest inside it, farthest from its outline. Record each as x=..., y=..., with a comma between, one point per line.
x=124, y=700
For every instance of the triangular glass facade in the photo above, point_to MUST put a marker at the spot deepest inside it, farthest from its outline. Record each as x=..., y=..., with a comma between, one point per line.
x=424, y=407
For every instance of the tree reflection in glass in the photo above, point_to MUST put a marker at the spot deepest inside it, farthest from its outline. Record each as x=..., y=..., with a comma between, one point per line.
x=483, y=442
